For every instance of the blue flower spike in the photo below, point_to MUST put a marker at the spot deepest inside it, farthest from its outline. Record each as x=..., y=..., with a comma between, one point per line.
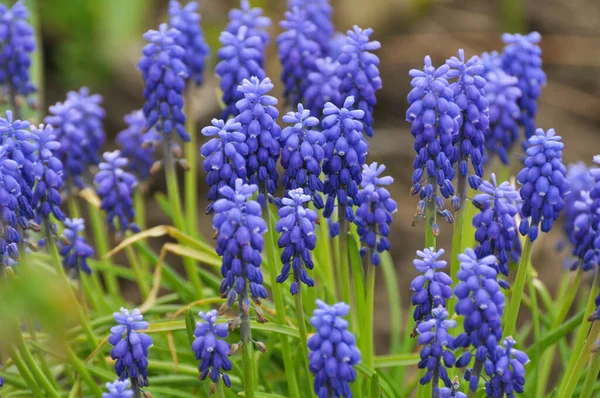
x=74, y=248
x=137, y=144
x=118, y=389
x=432, y=288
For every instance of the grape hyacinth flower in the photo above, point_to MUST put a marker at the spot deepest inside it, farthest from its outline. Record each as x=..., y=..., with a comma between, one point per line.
x=319, y=13
x=502, y=93
x=581, y=182
x=302, y=153
x=496, y=227
x=522, y=58
x=359, y=73
x=323, y=86
x=136, y=144
x=241, y=58
x=375, y=211
x=258, y=117
x=74, y=248
x=481, y=302
x=9, y=192
x=211, y=349
x=92, y=116
x=297, y=53
x=434, y=121
x=296, y=226
x=436, y=354
x=118, y=389
x=333, y=353
x=252, y=18
x=474, y=120
x=433, y=288
x=17, y=42
x=506, y=370
x=191, y=38
x=115, y=188
x=130, y=347
x=164, y=72
x=345, y=154
x=543, y=183
x=240, y=228
x=46, y=198
x=225, y=157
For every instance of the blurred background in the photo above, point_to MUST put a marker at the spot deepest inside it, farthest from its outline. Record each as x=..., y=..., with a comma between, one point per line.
x=97, y=43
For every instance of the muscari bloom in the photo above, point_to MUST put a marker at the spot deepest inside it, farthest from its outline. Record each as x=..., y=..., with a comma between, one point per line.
x=359, y=73
x=506, y=370
x=345, y=154
x=502, y=93
x=241, y=58
x=323, y=86
x=297, y=53
x=252, y=18
x=77, y=124
x=115, y=188
x=9, y=192
x=225, y=157
x=496, y=227
x=211, y=349
x=74, y=248
x=522, y=58
x=474, y=120
x=296, y=226
x=118, y=389
x=543, y=183
x=17, y=42
x=481, y=302
x=240, y=241
x=258, y=117
x=302, y=153
x=436, y=354
x=333, y=353
x=432, y=288
x=374, y=215
x=434, y=121
x=191, y=38
x=136, y=144
x=319, y=13
x=130, y=347
x=164, y=72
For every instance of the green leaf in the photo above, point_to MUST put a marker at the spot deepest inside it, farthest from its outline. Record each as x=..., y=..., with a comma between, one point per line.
x=259, y=394
x=557, y=334
x=375, y=388
x=190, y=324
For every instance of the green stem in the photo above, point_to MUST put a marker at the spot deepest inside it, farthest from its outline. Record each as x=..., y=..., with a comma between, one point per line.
x=517, y=289
x=344, y=266
x=581, y=359
x=535, y=314
x=430, y=220
x=591, y=377
x=475, y=373
x=567, y=301
x=83, y=372
x=219, y=392
x=178, y=220
x=457, y=234
x=24, y=372
x=139, y=204
x=102, y=246
x=138, y=271
x=191, y=177
x=367, y=330
x=286, y=351
x=40, y=355
x=246, y=337
x=302, y=328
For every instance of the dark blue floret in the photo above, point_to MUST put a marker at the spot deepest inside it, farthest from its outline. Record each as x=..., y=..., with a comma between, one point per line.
x=543, y=183
x=333, y=353
x=73, y=247
x=137, y=144
x=211, y=349
x=506, y=370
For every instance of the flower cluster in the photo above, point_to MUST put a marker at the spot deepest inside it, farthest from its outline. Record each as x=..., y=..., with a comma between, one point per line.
x=374, y=215
x=474, y=121
x=258, y=119
x=434, y=122
x=345, y=154
x=74, y=248
x=506, y=370
x=17, y=42
x=333, y=353
x=522, y=58
x=502, y=93
x=9, y=191
x=252, y=18
x=359, y=73
x=118, y=389
x=302, y=153
x=436, y=355
x=164, y=72
x=225, y=157
x=577, y=200
x=191, y=38
x=130, y=347
x=210, y=348
x=433, y=288
x=136, y=144
x=481, y=302
x=319, y=13
x=240, y=228
x=496, y=227
x=323, y=86
x=543, y=183
x=298, y=239
x=297, y=53
x=77, y=124
x=586, y=231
